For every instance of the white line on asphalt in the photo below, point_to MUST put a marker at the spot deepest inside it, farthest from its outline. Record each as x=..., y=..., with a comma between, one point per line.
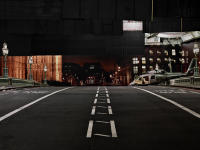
x=102, y=107
x=108, y=100
x=173, y=102
x=113, y=129
x=107, y=95
x=98, y=92
x=100, y=113
x=104, y=135
x=30, y=104
x=95, y=100
x=98, y=88
x=107, y=92
x=93, y=110
x=102, y=122
x=194, y=92
x=97, y=95
x=90, y=127
x=110, y=110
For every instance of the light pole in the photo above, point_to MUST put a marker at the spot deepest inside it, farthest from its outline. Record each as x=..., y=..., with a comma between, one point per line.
x=170, y=64
x=30, y=63
x=5, y=53
x=45, y=75
x=196, y=52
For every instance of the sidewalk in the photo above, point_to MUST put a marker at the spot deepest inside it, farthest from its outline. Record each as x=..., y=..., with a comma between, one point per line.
x=16, y=83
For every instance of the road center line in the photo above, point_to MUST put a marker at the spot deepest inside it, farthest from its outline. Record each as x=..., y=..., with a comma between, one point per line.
x=107, y=95
x=108, y=100
x=172, y=102
x=110, y=110
x=113, y=129
x=95, y=101
x=97, y=95
x=93, y=110
x=90, y=127
x=30, y=104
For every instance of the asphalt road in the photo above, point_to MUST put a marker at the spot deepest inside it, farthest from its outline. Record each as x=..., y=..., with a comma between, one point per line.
x=100, y=118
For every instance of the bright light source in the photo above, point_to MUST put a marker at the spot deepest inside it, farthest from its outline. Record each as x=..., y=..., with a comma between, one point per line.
x=129, y=25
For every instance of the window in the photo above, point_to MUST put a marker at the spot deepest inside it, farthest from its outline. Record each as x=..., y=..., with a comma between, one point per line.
x=151, y=52
x=158, y=52
x=150, y=68
x=151, y=60
x=182, y=60
x=166, y=59
x=182, y=53
x=135, y=69
x=130, y=25
x=166, y=52
x=143, y=69
x=143, y=60
x=173, y=52
x=158, y=60
x=135, y=60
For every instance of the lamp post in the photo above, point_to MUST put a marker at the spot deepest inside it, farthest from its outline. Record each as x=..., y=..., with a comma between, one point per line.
x=30, y=63
x=45, y=75
x=5, y=53
x=170, y=64
x=196, y=52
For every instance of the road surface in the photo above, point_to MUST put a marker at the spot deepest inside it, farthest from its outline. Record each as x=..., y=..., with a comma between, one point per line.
x=100, y=118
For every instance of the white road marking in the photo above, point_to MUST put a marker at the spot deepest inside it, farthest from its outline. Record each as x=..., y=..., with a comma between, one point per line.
x=102, y=122
x=105, y=88
x=173, y=102
x=30, y=104
x=107, y=95
x=113, y=129
x=95, y=101
x=107, y=92
x=93, y=110
x=104, y=135
x=97, y=95
x=194, y=92
x=110, y=110
x=97, y=92
x=102, y=107
x=108, y=100
x=90, y=127
x=100, y=113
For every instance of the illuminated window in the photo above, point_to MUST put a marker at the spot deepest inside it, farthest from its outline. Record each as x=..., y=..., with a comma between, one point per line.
x=182, y=60
x=166, y=52
x=158, y=60
x=129, y=25
x=151, y=52
x=173, y=52
x=135, y=60
x=158, y=52
x=150, y=68
x=143, y=69
x=182, y=53
x=151, y=60
x=135, y=69
x=143, y=60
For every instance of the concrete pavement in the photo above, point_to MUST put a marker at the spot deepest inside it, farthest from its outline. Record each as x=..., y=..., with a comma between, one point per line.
x=115, y=118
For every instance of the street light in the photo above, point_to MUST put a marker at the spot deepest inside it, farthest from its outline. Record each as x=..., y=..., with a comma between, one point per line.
x=5, y=53
x=30, y=63
x=45, y=77
x=196, y=52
